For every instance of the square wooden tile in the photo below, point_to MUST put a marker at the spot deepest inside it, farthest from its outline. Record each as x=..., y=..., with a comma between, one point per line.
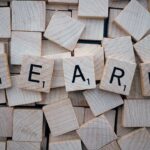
x=36, y=73
x=78, y=75
x=118, y=76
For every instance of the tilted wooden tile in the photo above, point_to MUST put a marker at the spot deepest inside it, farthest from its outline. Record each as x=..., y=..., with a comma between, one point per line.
x=78, y=75
x=142, y=48
x=13, y=145
x=2, y=145
x=134, y=19
x=61, y=117
x=98, y=128
x=6, y=121
x=27, y=125
x=70, y=32
x=36, y=73
x=139, y=140
x=136, y=113
x=17, y=96
x=118, y=76
x=93, y=8
x=112, y=146
x=2, y=97
x=5, y=81
x=34, y=20
x=5, y=27
x=24, y=43
x=102, y=101
x=64, y=1
x=97, y=52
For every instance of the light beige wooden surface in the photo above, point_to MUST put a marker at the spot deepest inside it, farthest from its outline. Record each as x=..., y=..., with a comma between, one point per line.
x=79, y=111
x=118, y=3
x=112, y=146
x=27, y=125
x=43, y=79
x=88, y=115
x=2, y=145
x=24, y=43
x=64, y=1
x=69, y=28
x=34, y=20
x=2, y=47
x=2, y=97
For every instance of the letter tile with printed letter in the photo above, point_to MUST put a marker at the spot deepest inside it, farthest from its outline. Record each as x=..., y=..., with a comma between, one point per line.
x=36, y=73
x=117, y=76
x=79, y=73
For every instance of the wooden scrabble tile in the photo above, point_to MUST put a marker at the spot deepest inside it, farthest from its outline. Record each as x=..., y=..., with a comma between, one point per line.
x=2, y=97
x=112, y=146
x=2, y=145
x=136, y=113
x=138, y=139
x=98, y=128
x=93, y=8
x=97, y=52
x=58, y=73
x=94, y=28
x=61, y=117
x=120, y=48
x=5, y=29
x=6, y=121
x=134, y=19
x=14, y=145
x=63, y=1
x=118, y=3
x=36, y=73
x=24, y=43
x=34, y=20
x=118, y=76
x=79, y=111
x=5, y=81
x=27, y=125
x=79, y=76
x=17, y=96
x=142, y=48
x=102, y=101
x=70, y=32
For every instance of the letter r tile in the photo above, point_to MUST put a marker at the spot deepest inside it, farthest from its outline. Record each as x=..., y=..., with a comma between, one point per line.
x=79, y=73
x=36, y=73
x=117, y=76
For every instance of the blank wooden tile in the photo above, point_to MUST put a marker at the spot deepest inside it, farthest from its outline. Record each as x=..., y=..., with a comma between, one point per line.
x=6, y=121
x=13, y=145
x=78, y=75
x=136, y=113
x=120, y=48
x=97, y=52
x=5, y=81
x=27, y=125
x=102, y=101
x=2, y=97
x=134, y=19
x=118, y=76
x=63, y=1
x=112, y=146
x=24, y=43
x=36, y=73
x=142, y=48
x=139, y=140
x=79, y=111
x=2, y=145
x=5, y=29
x=17, y=96
x=34, y=20
x=61, y=117
x=93, y=8
x=98, y=128
x=70, y=32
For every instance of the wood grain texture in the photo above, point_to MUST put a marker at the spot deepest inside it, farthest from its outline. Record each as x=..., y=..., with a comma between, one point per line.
x=93, y=8
x=139, y=140
x=5, y=27
x=13, y=145
x=34, y=20
x=27, y=125
x=134, y=19
x=24, y=43
x=98, y=54
x=123, y=85
x=118, y=3
x=79, y=111
x=2, y=97
x=43, y=77
x=102, y=101
x=136, y=113
x=6, y=121
x=98, y=128
x=69, y=65
x=63, y=1
x=2, y=145
x=112, y=146
x=69, y=28
x=17, y=96
x=61, y=117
